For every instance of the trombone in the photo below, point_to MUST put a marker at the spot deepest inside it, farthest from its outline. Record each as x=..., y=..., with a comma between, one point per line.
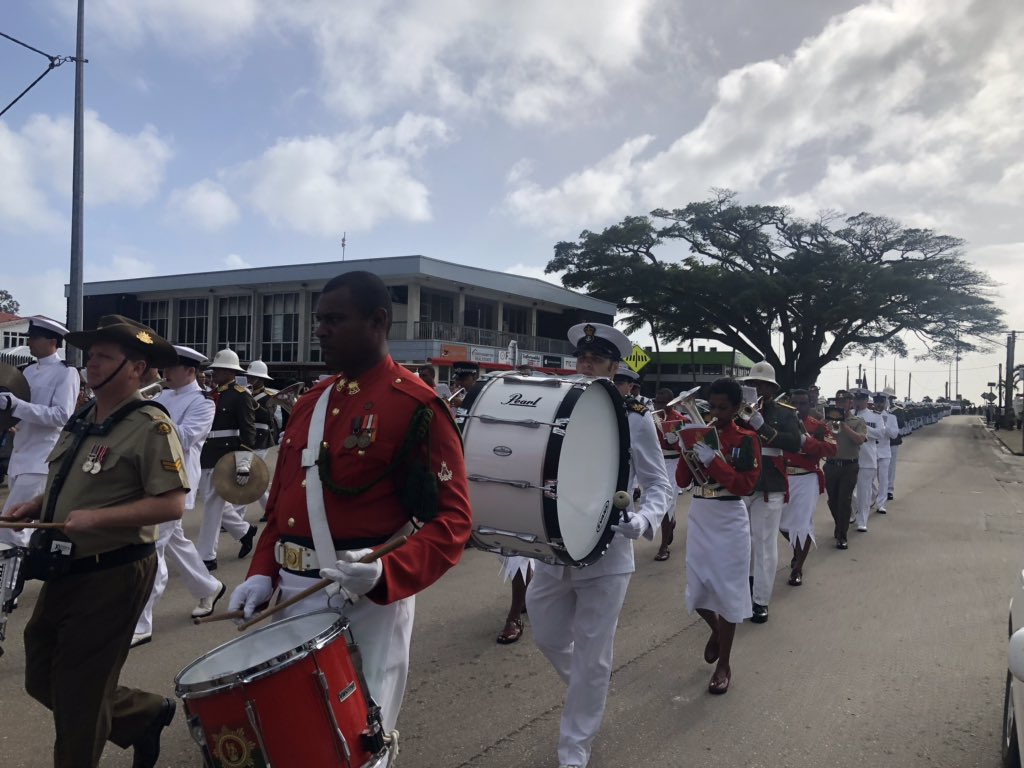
x=154, y=389
x=687, y=402
x=287, y=397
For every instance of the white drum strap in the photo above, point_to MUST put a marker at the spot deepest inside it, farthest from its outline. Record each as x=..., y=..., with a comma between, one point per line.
x=316, y=510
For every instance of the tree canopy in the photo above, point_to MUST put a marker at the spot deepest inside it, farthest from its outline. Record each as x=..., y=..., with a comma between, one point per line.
x=8, y=303
x=740, y=273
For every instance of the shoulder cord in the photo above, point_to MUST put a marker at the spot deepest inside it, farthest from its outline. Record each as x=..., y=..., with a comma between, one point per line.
x=419, y=429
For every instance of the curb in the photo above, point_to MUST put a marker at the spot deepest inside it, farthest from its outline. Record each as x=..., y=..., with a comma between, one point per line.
x=998, y=435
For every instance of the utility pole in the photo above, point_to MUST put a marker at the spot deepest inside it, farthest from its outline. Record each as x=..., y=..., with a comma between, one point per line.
x=75, y=290
x=343, y=243
x=874, y=387
x=1001, y=384
x=957, y=358
x=859, y=367
x=847, y=377
x=910, y=377
x=1011, y=341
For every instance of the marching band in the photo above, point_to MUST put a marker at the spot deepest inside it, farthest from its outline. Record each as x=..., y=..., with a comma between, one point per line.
x=380, y=484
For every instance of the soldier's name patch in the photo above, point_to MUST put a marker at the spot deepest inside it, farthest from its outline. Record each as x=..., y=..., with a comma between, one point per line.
x=171, y=466
x=163, y=428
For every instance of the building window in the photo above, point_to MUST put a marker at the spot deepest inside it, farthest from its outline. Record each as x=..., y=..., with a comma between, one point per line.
x=713, y=370
x=15, y=339
x=315, y=355
x=234, y=324
x=436, y=307
x=670, y=369
x=280, y=327
x=480, y=314
x=515, y=320
x=154, y=314
x=193, y=316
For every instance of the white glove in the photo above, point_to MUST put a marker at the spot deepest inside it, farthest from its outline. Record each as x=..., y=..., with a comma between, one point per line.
x=756, y=420
x=671, y=438
x=353, y=577
x=7, y=400
x=633, y=528
x=803, y=439
x=705, y=453
x=242, y=461
x=252, y=592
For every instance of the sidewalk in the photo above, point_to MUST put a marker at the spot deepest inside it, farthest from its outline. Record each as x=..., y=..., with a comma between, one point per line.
x=1011, y=439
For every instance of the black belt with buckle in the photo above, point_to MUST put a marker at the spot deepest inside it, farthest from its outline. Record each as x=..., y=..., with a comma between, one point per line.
x=104, y=560
x=842, y=462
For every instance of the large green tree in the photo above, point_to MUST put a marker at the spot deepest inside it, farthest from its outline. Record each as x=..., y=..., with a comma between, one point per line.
x=8, y=303
x=751, y=275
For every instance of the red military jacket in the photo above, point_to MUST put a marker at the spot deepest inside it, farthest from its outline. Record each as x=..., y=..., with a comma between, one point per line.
x=819, y=444
x=740, y=470
x=379, y=408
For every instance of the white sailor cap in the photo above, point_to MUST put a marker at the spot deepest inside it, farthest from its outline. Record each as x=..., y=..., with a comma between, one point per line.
x=600, y=339
x=45, y=326
x=625, y=373
x=860, y=393
x=190, y=357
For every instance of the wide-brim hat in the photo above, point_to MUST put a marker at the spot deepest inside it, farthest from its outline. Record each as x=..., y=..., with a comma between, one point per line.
x=600, y=339
x=118, y=329
x=626, y=373
x=227, y=360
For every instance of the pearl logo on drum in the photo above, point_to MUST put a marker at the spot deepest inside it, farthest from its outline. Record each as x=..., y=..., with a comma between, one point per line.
x=517, y=399
x=502, y=450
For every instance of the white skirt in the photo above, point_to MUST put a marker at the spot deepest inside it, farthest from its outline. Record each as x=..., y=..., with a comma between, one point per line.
x=513, y=564
x=798, y=514
x=718, y=559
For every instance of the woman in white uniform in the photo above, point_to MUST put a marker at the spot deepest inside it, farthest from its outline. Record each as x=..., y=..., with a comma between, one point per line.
x=718, y=529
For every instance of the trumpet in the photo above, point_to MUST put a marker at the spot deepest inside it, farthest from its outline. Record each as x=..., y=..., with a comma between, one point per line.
x=747, y=410
x=687, y=402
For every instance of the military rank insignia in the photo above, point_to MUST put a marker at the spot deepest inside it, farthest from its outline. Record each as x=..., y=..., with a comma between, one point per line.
x=163, y=428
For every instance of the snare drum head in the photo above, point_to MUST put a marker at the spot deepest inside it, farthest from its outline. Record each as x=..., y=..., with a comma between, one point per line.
x=589, y=470
x=247, y=653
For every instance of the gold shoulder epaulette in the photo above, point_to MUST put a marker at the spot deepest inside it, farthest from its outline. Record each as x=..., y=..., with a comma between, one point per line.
x=786, y=405
x=240, y=388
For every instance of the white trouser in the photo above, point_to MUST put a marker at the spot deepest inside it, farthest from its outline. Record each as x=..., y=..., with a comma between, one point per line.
x=24, y=487
x=798, y=513
x=883, y=482
x=262, y=453
x=172, y=545
x=573, y=623
x=865, y=493
x=383, y=633
x=217, y=513
x=892, y=469
x=671, y=465
x=765, y=517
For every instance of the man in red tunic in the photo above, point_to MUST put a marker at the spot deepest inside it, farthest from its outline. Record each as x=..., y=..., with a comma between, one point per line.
x=806, y=483
x=376, y=452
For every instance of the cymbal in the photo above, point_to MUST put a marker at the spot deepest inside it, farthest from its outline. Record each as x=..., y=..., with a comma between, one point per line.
x=12, y=380
x=228, y=488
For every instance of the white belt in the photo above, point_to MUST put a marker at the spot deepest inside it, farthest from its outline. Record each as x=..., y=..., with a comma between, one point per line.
x=224, y=433
x=771, y=451
x=296, y=557
x=262, y=426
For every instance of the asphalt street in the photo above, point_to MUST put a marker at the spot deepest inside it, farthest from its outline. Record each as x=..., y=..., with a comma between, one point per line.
x=892, y=653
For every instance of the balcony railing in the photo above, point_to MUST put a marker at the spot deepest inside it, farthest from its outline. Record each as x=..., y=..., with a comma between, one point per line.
x=486, y=337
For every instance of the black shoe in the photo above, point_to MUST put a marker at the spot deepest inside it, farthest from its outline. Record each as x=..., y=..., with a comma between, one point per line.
x=841, y=544
x=211, y=565
x=760, y=614
x=263, y=519
x=147, y=748
x=891, y=497
x=246, y=542
x=881, y=511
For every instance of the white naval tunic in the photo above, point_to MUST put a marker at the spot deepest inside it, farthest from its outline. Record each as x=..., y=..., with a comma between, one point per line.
x=574, y=611
x=192, y=414
x=868, y=467
x=890, y=431
x=54, y=389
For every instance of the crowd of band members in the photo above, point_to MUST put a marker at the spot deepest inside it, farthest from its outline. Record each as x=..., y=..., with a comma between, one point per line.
x=764, y=478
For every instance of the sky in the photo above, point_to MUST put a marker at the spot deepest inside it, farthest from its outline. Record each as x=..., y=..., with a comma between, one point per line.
x=251, y=133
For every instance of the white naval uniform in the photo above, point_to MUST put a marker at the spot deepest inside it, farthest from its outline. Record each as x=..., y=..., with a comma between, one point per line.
x=54, y=389
x=217, y=514
x=574, y=611
x=868, y=465
x=890, y=431
x=192, y=414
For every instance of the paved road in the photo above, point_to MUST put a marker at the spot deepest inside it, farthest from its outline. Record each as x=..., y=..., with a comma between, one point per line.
x=891, y=654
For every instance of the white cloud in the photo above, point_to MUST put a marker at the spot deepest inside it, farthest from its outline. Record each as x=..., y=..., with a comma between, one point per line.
x=206, y=204
x=38, y=292
x=902, y=107
x=122, y=266
x=183, y=24
x=324, y=185
x=234, y=261
x=23, y=205
x=529, y=270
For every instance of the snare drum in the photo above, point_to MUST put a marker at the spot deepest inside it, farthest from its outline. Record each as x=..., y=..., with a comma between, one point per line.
x=544, y=456
x=288, y=695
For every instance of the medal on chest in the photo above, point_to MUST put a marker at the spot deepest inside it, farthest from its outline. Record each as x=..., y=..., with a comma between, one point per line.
x=94, y=463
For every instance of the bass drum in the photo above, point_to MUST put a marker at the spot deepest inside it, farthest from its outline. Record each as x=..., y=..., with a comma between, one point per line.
x=545, y=456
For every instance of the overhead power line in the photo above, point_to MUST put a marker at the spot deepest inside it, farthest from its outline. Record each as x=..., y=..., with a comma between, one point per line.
x=55, y=61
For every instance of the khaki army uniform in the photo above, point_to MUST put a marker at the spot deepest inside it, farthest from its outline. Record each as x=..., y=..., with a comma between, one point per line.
x=78, y=637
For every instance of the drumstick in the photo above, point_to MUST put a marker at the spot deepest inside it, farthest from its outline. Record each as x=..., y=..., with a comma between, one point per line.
x=18, y=524
x=377, y=554
x=232, y=614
